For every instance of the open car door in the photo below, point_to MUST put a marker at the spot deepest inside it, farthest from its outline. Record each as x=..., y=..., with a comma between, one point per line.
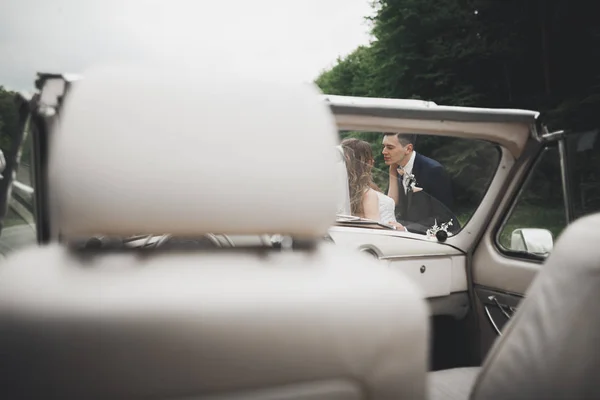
x=555, y=183
x=24, y=216
x=18, y=226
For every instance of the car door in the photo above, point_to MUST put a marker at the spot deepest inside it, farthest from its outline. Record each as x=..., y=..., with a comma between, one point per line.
x=555, y=183
x=17, y=193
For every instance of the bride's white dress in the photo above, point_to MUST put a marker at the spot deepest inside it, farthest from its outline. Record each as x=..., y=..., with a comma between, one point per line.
x=386, y=208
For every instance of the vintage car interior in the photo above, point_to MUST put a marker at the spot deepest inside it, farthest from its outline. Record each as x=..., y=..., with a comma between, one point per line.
x=290, y=302
x=318, y=322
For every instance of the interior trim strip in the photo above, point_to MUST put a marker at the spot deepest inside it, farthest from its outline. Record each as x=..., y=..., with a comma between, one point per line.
x=487, y=312
x=404, y=256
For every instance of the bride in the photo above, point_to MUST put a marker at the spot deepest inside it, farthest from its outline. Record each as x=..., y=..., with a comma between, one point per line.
x=366, y=200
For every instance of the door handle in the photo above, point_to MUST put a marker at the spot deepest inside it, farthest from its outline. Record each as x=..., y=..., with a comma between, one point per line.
x=503, y=307
x=487, y=312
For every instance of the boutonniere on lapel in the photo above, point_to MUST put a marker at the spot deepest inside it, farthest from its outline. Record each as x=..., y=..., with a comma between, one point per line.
x=412, y=184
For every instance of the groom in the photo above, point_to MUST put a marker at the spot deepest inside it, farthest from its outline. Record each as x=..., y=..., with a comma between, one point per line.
x=419, y=185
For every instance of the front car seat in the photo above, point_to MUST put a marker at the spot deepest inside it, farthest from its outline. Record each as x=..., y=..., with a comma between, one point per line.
x=549, y=349
x=151, y=151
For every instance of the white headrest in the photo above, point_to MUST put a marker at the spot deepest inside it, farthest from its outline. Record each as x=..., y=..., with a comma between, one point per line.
x=147, y=150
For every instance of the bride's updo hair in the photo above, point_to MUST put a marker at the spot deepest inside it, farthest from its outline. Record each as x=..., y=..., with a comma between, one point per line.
x=359, y=162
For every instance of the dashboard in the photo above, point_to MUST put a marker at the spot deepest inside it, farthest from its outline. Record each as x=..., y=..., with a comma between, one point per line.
x=438, y=269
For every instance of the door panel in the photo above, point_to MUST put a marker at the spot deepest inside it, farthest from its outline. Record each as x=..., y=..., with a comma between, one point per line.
x=504, y=279
x=495, y=270
x=501, y=275
x=498, y=306
x=494, y=266
x=558, y=186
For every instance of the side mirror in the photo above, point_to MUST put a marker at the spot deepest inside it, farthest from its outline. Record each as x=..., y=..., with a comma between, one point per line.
x=532, y=240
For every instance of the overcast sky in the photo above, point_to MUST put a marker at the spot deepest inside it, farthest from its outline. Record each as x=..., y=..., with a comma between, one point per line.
x=293, y=38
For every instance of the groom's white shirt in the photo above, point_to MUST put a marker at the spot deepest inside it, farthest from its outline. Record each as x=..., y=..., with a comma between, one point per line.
x=408, y=170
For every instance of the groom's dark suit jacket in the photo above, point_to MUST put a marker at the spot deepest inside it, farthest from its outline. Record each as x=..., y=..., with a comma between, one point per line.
x=418, y=211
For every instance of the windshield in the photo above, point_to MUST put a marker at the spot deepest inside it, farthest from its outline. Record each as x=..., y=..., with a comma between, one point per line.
x=413, y=182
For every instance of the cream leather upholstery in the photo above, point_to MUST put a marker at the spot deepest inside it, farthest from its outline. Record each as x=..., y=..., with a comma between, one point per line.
x=189, y=154
x=322, y=323
x=549, y=350
x=330, y=323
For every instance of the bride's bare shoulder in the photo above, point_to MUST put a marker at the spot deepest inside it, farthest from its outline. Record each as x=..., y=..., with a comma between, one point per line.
x=381, y=195
x=371, y=194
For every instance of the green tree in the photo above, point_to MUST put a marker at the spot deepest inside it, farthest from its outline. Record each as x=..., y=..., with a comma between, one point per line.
x=9, y=118
x=351, y=76
x=426, y=49
x=534, y=54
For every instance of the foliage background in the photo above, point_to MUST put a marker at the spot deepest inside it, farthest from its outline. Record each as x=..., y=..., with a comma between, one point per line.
x=9, y=118
x=533, y=54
